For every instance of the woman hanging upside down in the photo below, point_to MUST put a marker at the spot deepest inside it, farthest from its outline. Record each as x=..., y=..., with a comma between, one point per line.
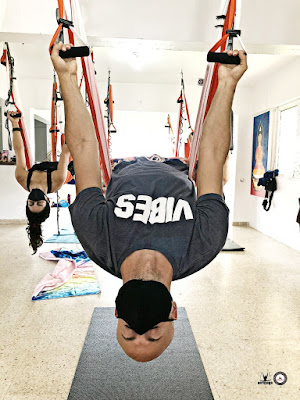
x=43, y=178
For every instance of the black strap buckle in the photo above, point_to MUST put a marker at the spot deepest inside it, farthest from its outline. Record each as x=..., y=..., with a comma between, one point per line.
x=234, y=32
x=65, y=23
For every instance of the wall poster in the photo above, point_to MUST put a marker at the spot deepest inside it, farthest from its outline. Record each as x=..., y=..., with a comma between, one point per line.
x=259, y=152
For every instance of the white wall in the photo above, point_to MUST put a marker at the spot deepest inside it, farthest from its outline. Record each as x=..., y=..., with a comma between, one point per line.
x=140, y=117
x=280, y=222
x=13, y=196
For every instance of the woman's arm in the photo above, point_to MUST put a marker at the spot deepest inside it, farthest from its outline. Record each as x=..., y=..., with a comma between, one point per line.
x=21, y=171
x=60, y=175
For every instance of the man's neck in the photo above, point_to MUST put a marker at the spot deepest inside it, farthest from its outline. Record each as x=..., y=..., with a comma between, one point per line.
x=147, y=265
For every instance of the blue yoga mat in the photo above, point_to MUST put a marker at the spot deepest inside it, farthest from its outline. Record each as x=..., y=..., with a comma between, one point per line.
x=66, y=236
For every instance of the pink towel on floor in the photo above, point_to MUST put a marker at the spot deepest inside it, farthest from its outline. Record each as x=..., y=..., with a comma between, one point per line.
x=61, y=274
x=47, y=255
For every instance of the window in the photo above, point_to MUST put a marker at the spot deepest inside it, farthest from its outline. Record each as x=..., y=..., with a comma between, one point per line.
x=288, y=141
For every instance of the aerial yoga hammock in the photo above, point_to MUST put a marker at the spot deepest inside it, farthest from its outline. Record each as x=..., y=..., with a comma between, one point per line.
x=183, y=115
x=69, y=16
x=13, y=103
x=110, y=113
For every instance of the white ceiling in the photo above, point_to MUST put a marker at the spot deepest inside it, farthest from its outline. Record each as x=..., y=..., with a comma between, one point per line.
x=151, y=42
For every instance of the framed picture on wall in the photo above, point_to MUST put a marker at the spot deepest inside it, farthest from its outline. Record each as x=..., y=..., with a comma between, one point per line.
x=4, y=156
x=259, y=152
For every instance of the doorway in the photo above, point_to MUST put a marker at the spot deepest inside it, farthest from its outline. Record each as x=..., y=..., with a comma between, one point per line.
x=40, y=134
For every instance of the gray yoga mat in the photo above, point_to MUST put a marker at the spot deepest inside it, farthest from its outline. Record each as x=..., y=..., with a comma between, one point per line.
x=230, y=245
x=104, y=372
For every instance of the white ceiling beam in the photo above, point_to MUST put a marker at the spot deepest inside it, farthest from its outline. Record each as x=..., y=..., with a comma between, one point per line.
x=94, y=41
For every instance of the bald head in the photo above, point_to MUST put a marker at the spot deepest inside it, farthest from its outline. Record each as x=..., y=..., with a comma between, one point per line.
x=151, y=344
x=148, y=346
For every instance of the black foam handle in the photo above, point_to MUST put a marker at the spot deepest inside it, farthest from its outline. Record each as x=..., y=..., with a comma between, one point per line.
x=19, y=115
x=223, y=58
x=81, y=51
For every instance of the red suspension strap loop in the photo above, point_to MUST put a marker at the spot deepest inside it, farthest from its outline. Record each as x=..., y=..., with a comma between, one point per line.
x=14, y=102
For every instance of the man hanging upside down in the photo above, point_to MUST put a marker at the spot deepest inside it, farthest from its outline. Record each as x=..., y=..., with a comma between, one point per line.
x=152, y=227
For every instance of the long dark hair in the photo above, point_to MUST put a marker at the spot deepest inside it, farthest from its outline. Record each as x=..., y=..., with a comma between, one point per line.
x=34, y=229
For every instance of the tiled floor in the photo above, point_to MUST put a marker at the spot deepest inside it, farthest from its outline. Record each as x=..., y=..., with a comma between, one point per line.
x=243, y=309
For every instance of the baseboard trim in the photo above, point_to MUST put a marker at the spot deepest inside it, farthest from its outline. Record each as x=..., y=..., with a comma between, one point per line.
x=13, y=221
x=240, y=224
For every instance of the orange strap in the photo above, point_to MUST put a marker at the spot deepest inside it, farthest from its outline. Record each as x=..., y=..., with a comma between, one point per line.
x=110, y=104
x=180, y=100
x=228, y=24
x=53, y=129
x=187, y=148
x=3, y=57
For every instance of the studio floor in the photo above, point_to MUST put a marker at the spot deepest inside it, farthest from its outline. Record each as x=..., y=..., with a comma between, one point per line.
x=243, y=309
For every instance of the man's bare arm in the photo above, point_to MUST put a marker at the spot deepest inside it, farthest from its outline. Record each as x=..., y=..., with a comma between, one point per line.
x=215, y=141
x=79, y=128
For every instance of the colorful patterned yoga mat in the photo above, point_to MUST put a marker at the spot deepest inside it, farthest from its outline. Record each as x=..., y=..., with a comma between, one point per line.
x=80, y=284
x=73, y=275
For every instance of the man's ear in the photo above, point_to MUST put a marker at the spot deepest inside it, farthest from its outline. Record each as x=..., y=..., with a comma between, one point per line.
x=116, y=313
x=173, y=314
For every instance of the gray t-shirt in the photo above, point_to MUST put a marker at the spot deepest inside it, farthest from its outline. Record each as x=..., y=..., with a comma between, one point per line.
x=150, y=205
